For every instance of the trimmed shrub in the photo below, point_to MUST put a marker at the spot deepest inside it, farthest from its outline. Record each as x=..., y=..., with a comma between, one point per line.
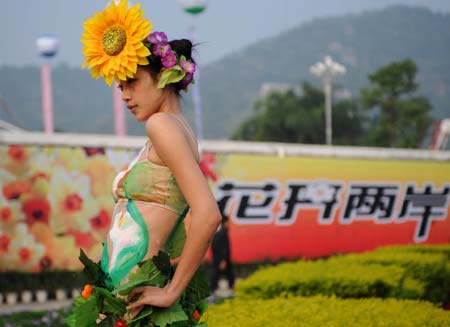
x=432, y=268
x=427, y=249
x=339, y=278
x=326, y=312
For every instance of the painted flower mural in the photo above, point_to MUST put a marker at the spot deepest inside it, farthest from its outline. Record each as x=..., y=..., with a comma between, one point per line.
x=54, y=198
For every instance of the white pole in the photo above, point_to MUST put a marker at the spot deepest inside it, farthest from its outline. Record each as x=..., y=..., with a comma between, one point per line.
x=328, y=88
x=47, y=102
x=196, y=99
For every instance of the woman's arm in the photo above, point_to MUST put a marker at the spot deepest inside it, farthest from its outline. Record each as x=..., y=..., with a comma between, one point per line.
x=174, y=150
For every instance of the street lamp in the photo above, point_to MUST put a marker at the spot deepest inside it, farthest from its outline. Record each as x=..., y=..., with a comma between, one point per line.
x=48, y=47
x=194, y=8
x=327, y=70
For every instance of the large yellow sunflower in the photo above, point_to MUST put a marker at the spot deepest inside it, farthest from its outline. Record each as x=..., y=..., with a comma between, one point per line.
x=112, y=41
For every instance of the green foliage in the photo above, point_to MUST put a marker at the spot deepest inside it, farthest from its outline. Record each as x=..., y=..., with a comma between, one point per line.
x=402, y=272
x=326, y=312
x=403, y=117
x=426, y=248
x=93, y=272
x=35, y=319
x=111, y=304
x=289, y=117
x=431, y=268
x=154, y=272
x=86, y=312
x=330, y=277
x=165, y=316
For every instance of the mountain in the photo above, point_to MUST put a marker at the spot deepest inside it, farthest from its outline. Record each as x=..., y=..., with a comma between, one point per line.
x=229, y=87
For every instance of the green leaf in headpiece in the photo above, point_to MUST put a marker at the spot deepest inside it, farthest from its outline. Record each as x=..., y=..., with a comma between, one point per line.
x=171, y=75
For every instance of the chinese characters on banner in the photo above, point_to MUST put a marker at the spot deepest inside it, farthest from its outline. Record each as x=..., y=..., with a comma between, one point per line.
x=283, y=215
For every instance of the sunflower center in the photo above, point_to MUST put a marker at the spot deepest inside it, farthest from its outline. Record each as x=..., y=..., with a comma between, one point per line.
x=114, y=40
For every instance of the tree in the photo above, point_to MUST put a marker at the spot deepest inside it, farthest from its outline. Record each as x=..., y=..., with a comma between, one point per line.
x=401, y=117
x=290, y=117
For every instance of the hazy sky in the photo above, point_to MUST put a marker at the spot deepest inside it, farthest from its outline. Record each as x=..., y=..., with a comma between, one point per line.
x=226, y=25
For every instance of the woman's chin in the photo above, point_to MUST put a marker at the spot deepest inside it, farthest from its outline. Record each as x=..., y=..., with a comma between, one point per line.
x=139, y=119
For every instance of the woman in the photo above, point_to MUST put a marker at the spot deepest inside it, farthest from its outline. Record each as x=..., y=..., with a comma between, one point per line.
x=164, y=182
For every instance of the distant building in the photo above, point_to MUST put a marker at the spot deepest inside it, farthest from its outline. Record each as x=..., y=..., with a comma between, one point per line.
x=270, y=87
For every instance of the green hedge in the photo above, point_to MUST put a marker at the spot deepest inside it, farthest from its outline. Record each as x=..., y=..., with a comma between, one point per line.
x=326, y=312
x=343, y=279
x=432, y=267
x=437, y=249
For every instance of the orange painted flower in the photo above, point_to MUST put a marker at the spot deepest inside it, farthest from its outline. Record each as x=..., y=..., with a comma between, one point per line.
x=14, y=189
x=24, y=254
x=196, y=315
x=17, y=153
x=73, y=202
x=87, y=291
x=101, y=221
x=36, y=210
x=82, y=240
x=39, y=175
x=5, y=214
x=4, y=243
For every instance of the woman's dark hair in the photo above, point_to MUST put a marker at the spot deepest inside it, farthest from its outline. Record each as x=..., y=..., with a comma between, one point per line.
x=182, y=47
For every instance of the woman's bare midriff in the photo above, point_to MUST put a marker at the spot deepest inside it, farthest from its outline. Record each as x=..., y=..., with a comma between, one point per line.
x=159, y=220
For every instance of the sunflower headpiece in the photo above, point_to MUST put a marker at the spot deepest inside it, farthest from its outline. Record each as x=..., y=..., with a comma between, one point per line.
x=118, y=39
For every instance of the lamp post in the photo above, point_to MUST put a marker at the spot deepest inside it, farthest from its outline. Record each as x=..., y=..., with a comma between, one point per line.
x=48, y=47
x=194, y=8
x=327, y=70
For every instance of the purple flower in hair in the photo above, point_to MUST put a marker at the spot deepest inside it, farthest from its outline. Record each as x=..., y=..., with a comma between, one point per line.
x=186, y=80
x=188, y=66
x=162, y=49
x=157, y=37
x=169, y=60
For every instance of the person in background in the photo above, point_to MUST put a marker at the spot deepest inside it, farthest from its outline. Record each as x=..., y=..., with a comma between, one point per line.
x=221, y=255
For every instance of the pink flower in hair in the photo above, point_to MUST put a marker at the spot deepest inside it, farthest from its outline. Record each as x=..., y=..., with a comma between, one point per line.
x=162, y=49
x=186, y=80
x=169, y=60
x=157, y=37
x=188, y=66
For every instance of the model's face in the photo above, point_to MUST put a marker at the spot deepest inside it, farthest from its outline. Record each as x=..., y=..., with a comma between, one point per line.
x=141, y=94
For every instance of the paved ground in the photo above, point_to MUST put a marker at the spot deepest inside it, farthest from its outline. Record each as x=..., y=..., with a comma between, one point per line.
x=20, y=307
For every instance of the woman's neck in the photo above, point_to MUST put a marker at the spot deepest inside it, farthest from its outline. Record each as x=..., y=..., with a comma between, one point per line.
x=171, y=104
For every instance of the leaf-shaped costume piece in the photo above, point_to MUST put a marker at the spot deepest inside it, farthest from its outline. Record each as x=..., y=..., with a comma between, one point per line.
x=154, y=272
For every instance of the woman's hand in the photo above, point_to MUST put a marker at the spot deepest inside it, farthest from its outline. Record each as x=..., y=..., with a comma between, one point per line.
x=149, y=295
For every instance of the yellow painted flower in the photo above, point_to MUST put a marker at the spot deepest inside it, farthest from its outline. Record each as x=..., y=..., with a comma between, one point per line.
x=101, y=175
x=112, y=41
x=23, y=251
x=71, y=201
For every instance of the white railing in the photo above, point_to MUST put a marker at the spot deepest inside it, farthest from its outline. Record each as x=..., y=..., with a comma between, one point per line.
x=226, y=147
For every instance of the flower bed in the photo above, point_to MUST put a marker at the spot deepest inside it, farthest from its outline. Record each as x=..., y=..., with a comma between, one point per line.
x=326, y=312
